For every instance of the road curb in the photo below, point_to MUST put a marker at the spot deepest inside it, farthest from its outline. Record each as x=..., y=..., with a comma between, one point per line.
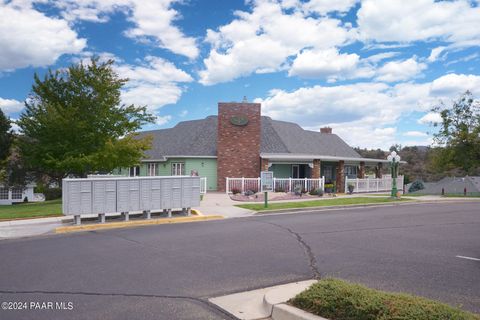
x=135, y=223
x=284, y=311
x=352, y=206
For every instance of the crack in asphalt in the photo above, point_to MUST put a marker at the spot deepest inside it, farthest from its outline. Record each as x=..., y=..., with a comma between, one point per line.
x=207, y=303
x=312, y=261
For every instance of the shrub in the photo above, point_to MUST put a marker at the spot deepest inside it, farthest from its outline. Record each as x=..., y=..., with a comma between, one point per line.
x=416, y=185
x=313, y=192
x=337, y=299
x=298, y=190
x=279, y=189
x=249, y=193
x=329, y=187
x=320, y=192
x=52, y=193
x=350, y=187
x=25, y=199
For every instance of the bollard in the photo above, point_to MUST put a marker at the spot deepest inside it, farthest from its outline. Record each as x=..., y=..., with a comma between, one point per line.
x=101, y=217
x=189, y=212
x=169, y=213
x=443, y=191
x=465, y=191
x=266, y=199
x=76, y=220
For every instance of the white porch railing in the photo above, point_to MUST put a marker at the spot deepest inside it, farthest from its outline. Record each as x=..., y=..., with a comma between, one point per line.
x=241, y=185
x=373, y=185
x=203, y=185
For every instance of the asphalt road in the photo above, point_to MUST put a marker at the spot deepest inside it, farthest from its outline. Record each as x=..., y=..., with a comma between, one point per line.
x=169, y=271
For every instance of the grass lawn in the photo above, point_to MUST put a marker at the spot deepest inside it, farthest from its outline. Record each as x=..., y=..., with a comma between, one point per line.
x=338, y=299
x=31, y=210
x=318, y=203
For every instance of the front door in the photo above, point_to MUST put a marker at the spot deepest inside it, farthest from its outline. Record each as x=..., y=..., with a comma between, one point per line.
x=295, y=171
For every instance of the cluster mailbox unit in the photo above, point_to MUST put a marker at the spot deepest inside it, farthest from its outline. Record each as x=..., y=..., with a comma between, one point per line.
x=114, y=194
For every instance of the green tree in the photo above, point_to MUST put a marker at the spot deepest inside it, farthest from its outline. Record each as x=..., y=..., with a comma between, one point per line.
x=459, y=135
x=74, y=123
x=6, y=136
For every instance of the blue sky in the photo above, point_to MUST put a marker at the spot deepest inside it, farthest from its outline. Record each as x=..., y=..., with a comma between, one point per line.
x=370, y=69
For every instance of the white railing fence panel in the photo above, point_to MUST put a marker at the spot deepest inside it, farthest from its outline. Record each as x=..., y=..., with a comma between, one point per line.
x=373, y=184
x=242, y=185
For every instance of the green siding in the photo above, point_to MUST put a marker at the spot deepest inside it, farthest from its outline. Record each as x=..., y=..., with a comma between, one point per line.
x=206, y=167
x=281, y=170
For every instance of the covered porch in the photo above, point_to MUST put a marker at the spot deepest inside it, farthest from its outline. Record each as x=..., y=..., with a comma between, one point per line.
x=334, y=170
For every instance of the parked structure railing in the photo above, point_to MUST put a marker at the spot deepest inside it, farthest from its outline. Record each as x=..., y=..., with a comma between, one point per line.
x=241, y=185
x=373, y=184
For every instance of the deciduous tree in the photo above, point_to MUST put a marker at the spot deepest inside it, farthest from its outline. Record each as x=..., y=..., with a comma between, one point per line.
x=75, y=123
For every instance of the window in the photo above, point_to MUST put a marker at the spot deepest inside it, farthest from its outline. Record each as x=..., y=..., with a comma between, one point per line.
x=3, y=194
x=178, y=169
x=135, y=171
x=152, y=169
x=351, y=171
x=17, y=193
x=327, y=172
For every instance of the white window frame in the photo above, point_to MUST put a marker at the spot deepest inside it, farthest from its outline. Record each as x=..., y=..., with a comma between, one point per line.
x=17, y=193
x=152, y=169
x=134, y=171
x=178, y=168
x=295, y=171
x=4, y=193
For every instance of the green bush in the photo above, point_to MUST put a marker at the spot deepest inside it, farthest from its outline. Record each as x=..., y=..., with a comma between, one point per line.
x=313, y=192
x=52, y=193
x=416, y=185
x=338, y=299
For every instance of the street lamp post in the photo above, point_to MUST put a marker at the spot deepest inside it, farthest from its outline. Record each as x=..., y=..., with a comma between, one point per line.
x=394, y=160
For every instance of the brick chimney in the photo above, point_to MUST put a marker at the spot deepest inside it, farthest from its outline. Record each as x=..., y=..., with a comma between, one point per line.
x=326, y=130
x=238, y=141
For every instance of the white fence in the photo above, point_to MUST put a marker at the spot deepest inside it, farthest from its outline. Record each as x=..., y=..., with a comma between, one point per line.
x=373, y=185
x=241, y=185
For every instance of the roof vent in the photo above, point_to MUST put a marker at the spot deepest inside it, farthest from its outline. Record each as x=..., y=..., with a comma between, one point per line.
x=326, y=130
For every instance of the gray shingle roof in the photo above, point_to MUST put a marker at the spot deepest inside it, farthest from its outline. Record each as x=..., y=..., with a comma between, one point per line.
x=199, y=138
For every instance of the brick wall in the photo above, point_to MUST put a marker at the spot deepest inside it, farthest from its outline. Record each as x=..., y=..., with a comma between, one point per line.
x=238, y=147
x=316, y=174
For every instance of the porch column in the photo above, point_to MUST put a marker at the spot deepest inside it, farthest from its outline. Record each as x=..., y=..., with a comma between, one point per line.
x=361, y=172
x=341, y=176
x=264, y=165
x=316, y=169
x=378, y=170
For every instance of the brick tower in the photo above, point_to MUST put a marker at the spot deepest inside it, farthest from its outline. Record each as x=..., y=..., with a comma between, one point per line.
x=238, y=141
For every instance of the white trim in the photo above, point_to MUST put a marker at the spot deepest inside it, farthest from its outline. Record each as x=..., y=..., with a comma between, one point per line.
x=165, y=158
x=310, y=157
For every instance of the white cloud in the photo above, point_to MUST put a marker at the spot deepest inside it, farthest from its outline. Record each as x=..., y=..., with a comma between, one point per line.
x=415, y=134
x=400, y=70
x=262, y=41
x=406, y=21
x=364, y=114
x=29, y=38
x=435, y=53
x=325, y=6
x=431, y=117
x=11, y=106
x=155, y=83
x=330, y=64
x=153, y=20
x=161, y=120
x=453, y=85
x=381, y=56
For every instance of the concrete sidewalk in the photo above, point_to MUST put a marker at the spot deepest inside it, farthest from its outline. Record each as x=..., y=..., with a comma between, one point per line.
x=219, y=203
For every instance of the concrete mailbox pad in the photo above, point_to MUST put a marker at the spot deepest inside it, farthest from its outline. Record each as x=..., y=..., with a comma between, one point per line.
x=129, y=194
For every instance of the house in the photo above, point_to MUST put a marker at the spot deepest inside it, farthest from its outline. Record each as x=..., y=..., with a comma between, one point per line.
x=18, y=194
x=240, y=142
